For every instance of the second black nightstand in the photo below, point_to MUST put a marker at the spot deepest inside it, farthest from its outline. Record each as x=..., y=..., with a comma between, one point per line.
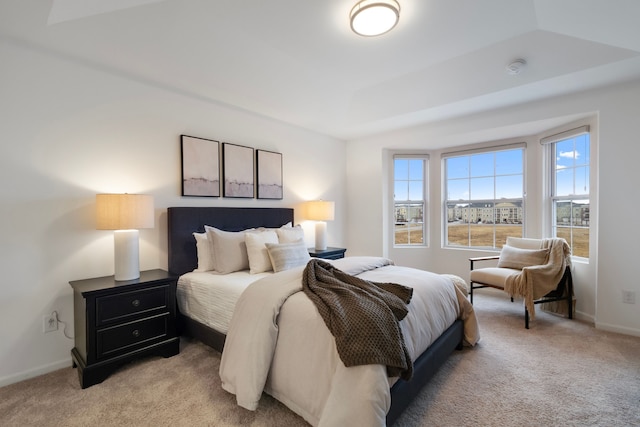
x=118, y=321
x=329, y=253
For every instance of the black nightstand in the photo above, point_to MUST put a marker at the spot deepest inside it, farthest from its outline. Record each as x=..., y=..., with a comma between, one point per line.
x=118, y=321
x=329, y=253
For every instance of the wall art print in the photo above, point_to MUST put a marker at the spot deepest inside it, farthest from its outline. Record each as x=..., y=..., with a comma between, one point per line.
x=237, y=171
x=269, y=174
x=200, y=166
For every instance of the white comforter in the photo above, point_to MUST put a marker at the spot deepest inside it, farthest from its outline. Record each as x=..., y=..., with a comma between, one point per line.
x=278, y=343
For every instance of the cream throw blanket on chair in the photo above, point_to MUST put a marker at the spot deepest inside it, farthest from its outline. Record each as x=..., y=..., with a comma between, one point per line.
x=536, y=281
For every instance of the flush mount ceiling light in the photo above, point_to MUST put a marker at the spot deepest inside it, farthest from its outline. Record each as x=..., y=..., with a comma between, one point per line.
x=516, y=66
x=374, y=17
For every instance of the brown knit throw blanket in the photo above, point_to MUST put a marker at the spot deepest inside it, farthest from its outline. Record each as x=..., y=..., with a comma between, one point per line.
x=363, y=316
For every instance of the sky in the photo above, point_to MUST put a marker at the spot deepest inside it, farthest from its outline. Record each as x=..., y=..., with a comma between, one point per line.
x=572, y=166
x=491, y=175
x=497, y=174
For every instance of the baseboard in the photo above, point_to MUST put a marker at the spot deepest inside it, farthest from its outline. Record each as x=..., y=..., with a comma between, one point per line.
x=36, y=372
x=580, y=315
x=605, y=326
x=618, y=329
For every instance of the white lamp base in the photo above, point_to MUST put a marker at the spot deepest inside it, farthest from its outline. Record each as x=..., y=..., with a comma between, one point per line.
x=321, y=236
x=126, y=254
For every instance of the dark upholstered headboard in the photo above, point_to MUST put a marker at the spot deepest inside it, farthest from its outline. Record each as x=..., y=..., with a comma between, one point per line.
x=182, y=222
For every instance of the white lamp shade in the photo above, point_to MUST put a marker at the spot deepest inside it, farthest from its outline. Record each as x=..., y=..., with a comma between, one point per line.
x=124, y=211
x=320, y=210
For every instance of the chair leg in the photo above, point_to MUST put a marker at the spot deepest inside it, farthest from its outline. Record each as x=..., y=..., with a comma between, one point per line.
x=570, y=293
x=471, y=292
x=526, y=318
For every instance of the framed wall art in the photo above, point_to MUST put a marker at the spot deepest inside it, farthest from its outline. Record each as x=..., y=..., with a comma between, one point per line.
x=200, y=166
x=237, y=171
x=269, y=174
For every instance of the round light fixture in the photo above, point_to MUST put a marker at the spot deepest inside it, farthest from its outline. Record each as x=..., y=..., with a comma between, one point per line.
x=374, y=17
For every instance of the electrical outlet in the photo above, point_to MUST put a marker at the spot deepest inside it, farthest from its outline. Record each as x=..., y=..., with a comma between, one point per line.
x=49, y=323
x=628, y=297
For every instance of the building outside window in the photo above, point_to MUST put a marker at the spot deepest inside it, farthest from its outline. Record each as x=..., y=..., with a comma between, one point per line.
x=484, y=194
x=409, y=198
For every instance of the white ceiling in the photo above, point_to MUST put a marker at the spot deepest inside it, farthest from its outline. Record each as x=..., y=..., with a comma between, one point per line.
x=297, y=61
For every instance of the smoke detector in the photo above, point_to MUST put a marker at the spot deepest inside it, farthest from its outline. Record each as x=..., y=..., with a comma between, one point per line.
x=516, y=67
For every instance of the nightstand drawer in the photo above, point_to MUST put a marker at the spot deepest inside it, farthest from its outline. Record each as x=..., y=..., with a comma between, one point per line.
x=122, y=337
x=123, y=306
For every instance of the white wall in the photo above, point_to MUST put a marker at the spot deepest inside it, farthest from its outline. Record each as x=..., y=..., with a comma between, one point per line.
x=612, y=267
x=70, y=130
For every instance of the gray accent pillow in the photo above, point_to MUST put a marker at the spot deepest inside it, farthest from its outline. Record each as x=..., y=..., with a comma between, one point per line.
x=285, y=256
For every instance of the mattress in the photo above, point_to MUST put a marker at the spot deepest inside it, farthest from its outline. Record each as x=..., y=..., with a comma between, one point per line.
x=210, y=298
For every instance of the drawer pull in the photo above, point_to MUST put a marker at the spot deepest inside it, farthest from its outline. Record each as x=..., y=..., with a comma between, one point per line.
x=136, y=333
x=135, y=302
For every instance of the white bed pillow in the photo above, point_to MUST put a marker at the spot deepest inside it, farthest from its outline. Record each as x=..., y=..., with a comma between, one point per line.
x=285, y=256
x=287, y=225
x=203, y=249
x=229, y=249
x=259, y=260
x=289, y=234
x=512, y=257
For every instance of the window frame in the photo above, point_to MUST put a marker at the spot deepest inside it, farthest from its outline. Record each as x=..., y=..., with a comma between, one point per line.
x=549, y=144
x=425, y=199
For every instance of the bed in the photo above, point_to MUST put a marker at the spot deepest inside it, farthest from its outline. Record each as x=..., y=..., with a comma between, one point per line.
x=182, y=257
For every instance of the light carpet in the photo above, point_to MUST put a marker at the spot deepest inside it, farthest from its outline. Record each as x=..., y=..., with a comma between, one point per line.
x=558, y=373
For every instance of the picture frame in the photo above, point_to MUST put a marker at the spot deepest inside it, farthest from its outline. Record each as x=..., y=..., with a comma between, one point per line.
x=200, y=166
x=269, y=175
x=237, y=171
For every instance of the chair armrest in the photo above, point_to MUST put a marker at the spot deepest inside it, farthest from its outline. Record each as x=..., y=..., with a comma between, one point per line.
x=483, y=258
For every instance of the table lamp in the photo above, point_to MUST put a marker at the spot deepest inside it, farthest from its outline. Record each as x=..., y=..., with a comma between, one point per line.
x=125, y=214
x=321, y=211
